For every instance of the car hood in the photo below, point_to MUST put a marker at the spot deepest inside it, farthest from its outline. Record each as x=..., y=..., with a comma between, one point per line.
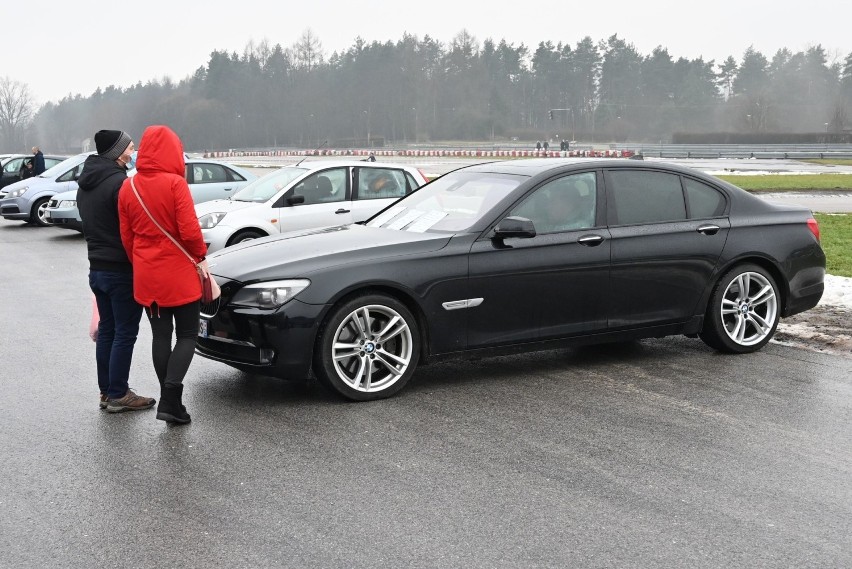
x=226, y=206
x=297, y=254
x=34, y=182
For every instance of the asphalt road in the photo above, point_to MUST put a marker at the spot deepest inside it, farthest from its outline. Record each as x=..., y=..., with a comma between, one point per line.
x=658, y=453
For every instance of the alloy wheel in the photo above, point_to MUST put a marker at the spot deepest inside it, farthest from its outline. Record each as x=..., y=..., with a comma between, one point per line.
x=749, y=309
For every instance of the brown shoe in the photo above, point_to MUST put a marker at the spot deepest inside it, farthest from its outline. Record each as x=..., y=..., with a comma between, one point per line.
x=102, y=401
x=130, y=402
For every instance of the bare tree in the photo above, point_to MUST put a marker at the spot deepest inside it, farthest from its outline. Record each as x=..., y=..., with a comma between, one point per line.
x=16, y=111
x=308, y=50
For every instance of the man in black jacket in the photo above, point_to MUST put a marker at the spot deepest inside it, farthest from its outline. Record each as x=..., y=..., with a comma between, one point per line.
x=110, y=271
x=38, y=161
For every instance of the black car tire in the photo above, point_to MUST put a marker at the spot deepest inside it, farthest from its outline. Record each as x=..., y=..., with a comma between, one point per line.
x=37, y=213
x=245, y=236
x=740, y=324
x=385, y=350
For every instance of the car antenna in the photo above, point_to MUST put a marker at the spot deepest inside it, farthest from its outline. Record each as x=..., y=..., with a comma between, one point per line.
x=324, y=142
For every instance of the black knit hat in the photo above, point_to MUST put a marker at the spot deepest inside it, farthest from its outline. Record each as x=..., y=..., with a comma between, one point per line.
x=111, y=143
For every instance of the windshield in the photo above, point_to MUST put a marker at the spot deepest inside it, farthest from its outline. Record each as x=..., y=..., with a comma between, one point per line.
x=454, y=202
x=265, y=188
x=63, y=166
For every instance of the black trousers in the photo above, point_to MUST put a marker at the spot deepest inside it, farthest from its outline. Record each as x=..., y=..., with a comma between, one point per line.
x=172, y=363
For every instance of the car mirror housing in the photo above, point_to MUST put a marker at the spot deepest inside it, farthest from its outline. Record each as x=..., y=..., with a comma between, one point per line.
x=514, y=226
x=295, y=199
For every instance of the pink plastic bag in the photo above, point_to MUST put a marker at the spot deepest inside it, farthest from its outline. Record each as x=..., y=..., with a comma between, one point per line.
x=93, y=325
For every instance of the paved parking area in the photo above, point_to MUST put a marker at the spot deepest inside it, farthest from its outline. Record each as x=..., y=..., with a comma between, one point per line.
x=658, y=453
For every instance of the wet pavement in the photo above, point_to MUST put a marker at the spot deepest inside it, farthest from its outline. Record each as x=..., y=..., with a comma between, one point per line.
x=659, y=453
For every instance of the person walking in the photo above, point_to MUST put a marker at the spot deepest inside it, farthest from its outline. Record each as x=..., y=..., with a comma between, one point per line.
x=159, y=229
x=38, y=161
x=110, y=271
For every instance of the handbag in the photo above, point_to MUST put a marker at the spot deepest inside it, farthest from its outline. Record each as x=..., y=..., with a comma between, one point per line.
x=210, y=290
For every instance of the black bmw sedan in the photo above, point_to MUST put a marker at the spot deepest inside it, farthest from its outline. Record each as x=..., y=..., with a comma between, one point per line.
x=514, y=256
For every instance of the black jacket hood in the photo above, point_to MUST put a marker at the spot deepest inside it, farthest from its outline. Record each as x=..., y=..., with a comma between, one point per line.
x=97, y=170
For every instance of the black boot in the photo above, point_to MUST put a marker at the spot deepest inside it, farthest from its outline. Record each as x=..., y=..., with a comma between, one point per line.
x=170, y=409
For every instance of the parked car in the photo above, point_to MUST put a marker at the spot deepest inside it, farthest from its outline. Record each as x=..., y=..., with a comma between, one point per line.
x=26, y=200
x=207, y=180
x=13, y=166
x=309, y=194
x=514, y=256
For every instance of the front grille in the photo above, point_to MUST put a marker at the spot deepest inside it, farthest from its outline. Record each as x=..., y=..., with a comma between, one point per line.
x=210, y=309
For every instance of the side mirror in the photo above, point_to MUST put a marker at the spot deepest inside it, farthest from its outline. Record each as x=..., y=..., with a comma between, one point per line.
x=514, y=227
x=295, y=199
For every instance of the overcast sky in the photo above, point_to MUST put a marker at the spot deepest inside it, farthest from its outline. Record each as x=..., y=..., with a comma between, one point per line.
x=74, y=47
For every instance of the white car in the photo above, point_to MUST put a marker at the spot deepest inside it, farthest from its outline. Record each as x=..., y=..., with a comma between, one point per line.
x=303, y=196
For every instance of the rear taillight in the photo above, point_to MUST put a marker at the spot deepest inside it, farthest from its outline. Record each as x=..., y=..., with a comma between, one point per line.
x=814, y=227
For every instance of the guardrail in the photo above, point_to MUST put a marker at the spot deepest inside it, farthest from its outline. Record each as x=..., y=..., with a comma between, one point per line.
x=781, y=151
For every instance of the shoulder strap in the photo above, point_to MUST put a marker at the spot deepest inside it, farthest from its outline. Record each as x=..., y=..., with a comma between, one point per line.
x=160, y=227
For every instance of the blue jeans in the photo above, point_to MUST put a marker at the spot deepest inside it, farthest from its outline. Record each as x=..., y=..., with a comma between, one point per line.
x=117, y=330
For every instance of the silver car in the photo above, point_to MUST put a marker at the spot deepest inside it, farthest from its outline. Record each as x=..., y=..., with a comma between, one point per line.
x=208, y=180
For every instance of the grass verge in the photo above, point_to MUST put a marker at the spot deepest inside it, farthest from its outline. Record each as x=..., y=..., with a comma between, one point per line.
x=836, y=239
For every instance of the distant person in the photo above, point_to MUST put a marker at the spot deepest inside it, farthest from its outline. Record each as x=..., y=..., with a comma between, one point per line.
x=110, y=271
x=38, y=161
x=546, y=146
x=162, y=237
x=27, y=170
x=538, y=145
x=384, y=186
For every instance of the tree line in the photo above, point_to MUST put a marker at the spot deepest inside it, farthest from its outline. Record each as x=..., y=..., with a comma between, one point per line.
x=419, y=91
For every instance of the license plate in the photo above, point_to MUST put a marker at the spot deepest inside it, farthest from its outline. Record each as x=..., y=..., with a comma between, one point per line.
x=202, y=328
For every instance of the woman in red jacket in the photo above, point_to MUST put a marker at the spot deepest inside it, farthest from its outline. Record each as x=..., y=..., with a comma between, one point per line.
x=165, y=280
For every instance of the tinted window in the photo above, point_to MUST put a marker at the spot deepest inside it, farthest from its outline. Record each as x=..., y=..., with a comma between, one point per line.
x=71, y=174
x=233, y=176
x=375, y=183
x=645, y=197
x=703, y=200
x=563, y=204
x=412, y=183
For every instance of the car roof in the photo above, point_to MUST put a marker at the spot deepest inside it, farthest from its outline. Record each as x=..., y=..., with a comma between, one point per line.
x=535, y=166
x=319, y=164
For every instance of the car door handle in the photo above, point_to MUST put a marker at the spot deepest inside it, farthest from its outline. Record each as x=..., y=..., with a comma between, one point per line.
x=341, y=210
x=590, y=240
x=228, y=189
x=708, y=229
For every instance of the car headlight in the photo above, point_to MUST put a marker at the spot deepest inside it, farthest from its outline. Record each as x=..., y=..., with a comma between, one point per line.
x=67, y=203
x=270, y=294
x=18, y=193
x=209, y=220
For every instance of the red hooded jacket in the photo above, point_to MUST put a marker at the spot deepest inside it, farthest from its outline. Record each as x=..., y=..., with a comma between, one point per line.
x=162, y=273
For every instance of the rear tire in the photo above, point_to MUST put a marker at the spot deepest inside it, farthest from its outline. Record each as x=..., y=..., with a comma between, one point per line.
x=744, y=311
x=368, y=348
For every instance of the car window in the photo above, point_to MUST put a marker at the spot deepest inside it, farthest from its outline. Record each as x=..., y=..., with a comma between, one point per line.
x=703, y=200
x=51, y=162
x=209, y=174
x=323, y=187
x=645, y=197
x=233, y=176
x=412, y=183
x=376, y=183
x=71, y=174
x=267, y=187
x=454, y=202
x=12, y=166
x=564, y=204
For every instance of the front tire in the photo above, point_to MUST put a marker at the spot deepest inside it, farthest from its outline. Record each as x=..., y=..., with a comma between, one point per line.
x=37, y=213
x=245, y=236
x=744, y=311
x=368, y=348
